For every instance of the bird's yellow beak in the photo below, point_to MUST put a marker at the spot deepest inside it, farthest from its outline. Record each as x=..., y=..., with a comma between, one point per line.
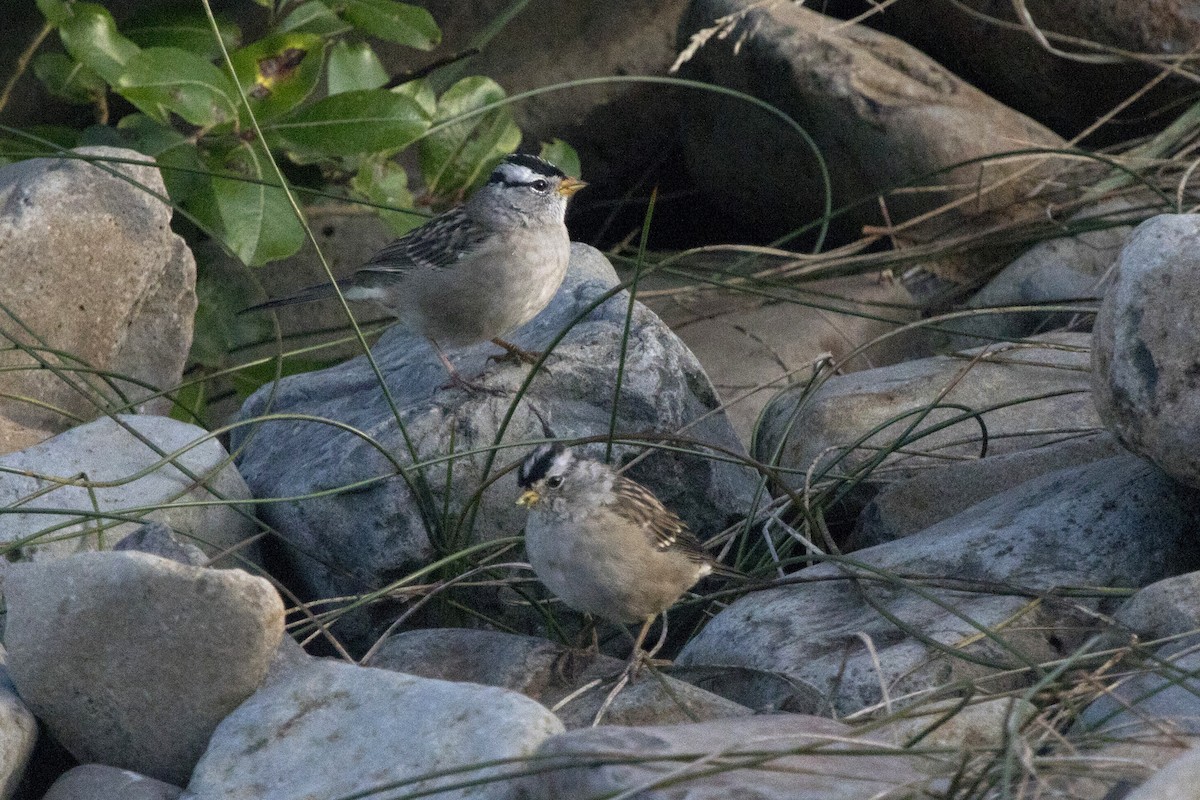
x=529, y=498
x=570, y=186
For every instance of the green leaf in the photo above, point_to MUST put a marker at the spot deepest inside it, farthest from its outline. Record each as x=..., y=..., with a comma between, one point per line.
x=391, y=21
x=66, y=78
x=161, y=80
x=185, y=28
x=460, y=156
x=254, y=220
x=381, y=180
x=221, y=292
x=422, y=92
x=367, y=121
x=55, y=11
x=90, y=36
x=177, y=156
x=563, y=156
x=353, y=67
x=313, y=17
x=279, y=72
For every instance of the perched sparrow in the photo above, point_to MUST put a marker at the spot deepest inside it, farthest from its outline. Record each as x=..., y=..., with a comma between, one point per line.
x=603, y=543
x=475, y=272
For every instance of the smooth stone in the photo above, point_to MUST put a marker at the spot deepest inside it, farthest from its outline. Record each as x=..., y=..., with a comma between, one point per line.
x=605, y=761
x=1026, y=396
x=326, y=729
x=1145, y=370
x=883, y=115
x=548, y=673
x=71, y=230
x=132, y=660
x=1118, y=522
x=18, y=733
x=109, y=450
x=914, y=504
x=102, y=782
x=1170, y=607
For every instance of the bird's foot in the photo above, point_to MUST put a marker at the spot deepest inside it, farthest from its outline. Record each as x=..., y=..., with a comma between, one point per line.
x=457, y=381
x=513, y=353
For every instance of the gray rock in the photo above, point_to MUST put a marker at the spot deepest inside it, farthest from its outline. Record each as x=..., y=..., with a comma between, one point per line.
x=361, y=541
x=1176, y=781
x=15, y=436
x=1027, y=396
x=117, y=452
x=1068, y=94
x=978, y=725
x=882, y=114
x=102, y=782
x=1116, y=522
x=1053, y=271
x=548, y=673
x=18, y=733
x=130, y=282
x=912, y=505
x=157, y=539
x=329, y=729
x=1159, y=696
x=1144, y=358
x=619, y=128
x=131, y=660
x=605, y=761
x=744, y=341
x=1169, y=607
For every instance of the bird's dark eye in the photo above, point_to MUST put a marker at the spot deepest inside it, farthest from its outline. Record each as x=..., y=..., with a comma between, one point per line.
x=541, y=186
x=554, y=481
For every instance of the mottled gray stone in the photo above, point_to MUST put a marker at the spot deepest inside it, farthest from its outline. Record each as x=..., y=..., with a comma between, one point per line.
x=883, y=115
x=1145, y=364
x=89, y=263
x=913, y=504
x=131, y=660
x=1115, y=522
x=108, y=450
x=157, y=539
x=325, y=729
x=1175, y=781
x=102, y=782
x=1169, y=607
x=548, y=673
x=808, y=765
x=18, y=733
x=1054, y=271
x=1026, y=396
x=1158, y=695
x=362, y=540
x=745, y=341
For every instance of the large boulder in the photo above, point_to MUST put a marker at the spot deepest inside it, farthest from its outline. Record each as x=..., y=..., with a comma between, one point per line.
x=89, y=267
x=912, y=618
x=550, y=674
x=115, y=473
x=327, y=729
x=915, y=415
x=378, y=529
x=1145, y=364
x=132, y=660
x=883, y=115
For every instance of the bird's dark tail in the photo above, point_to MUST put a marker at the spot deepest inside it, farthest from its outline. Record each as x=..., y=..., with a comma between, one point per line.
x=318, y=292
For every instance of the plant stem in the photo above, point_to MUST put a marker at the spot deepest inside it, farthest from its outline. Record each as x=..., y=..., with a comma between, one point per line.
x=23, y=63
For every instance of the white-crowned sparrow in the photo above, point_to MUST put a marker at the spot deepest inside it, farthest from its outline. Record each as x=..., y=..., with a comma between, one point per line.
x=604, y=544
x=477, y=271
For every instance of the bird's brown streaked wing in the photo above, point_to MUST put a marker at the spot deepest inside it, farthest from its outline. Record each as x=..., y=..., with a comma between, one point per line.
x=638, y=504
x=437, y=244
